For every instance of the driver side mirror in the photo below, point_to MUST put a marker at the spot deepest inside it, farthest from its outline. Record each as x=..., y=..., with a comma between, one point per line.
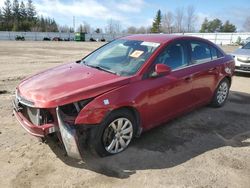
x=161, y=70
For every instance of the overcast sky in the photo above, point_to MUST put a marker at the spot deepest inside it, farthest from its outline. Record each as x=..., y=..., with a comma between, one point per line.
x=138, y=12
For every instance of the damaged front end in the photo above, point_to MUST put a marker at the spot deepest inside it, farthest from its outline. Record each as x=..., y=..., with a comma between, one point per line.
x=68, y=136
x=41, y=122
x=38, y=122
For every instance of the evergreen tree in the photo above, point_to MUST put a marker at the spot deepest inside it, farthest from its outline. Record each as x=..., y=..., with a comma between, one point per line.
x=7, y=16
x=156, y=26
x=31, y=11
x=1, y=20
x=204, y=26
x=54, y=26
x=16, y=15
x=23, y=13
x=215, y=26
x=228, y=27
x=24, y=23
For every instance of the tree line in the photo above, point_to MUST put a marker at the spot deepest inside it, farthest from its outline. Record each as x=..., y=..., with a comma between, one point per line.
x=180, y=21
x=216, y=25
x=16, y=15
x=184, y=21
x=22, y=16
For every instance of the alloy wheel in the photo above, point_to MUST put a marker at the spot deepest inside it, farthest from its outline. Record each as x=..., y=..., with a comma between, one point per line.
x=222, y=92
x=117, y=135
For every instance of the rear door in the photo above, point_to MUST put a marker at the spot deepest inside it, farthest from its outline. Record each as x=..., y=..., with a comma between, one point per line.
x=205, y=65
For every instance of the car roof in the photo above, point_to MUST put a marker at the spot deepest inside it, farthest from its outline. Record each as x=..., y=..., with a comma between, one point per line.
x=159, y=38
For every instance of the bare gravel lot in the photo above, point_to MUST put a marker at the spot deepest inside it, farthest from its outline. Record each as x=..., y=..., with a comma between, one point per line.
x=205, y=148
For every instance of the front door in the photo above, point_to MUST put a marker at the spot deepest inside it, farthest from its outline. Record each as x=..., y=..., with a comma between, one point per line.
x=168, y=95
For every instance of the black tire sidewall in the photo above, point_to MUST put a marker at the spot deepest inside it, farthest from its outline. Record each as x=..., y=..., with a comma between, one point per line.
x=96, y=134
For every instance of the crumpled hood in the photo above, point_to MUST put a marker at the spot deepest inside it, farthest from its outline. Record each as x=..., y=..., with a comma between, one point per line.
x=66, y=84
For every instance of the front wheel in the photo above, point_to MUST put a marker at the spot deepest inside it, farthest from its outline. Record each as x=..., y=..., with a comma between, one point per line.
x=221, y=94
x=114, y=135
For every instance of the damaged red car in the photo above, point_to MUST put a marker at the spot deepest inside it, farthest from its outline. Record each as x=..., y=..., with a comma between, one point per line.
x=125, y=87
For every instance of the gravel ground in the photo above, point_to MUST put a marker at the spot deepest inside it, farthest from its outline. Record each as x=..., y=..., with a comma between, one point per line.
x=205, y=148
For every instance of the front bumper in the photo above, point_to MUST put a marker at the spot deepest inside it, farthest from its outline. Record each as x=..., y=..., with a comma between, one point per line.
x=68, y=134
x=38, y=131
x=242, y=69
x=241, y=66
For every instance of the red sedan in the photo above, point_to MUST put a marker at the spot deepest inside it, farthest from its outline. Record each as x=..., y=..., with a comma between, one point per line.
x=127, y=86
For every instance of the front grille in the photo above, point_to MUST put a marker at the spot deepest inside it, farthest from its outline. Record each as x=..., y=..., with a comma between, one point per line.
x=37, y=116
x=243, y=68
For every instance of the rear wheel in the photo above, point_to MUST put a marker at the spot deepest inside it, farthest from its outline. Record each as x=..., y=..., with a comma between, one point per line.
x=221, y=93
x=114, y=134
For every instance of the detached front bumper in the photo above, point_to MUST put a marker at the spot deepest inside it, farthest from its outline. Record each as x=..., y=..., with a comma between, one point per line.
x=68, y=133
x=69, y=137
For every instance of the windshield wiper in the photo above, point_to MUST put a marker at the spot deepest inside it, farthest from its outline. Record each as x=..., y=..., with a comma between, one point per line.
x=101, y=68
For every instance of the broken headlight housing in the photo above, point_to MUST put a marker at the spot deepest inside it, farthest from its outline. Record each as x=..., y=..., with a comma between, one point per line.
x=70, y=111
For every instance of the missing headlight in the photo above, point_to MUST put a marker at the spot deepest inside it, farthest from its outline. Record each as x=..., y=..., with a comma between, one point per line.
x=74, y=108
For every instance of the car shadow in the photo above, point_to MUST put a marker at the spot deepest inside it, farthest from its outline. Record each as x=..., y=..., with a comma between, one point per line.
x=175, y=142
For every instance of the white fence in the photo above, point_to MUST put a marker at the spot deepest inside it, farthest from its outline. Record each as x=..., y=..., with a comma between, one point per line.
x=6, y=35
x=218, y=38
x=107, y=37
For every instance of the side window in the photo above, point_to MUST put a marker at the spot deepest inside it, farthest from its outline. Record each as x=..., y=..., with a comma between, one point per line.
x=200, y=52
x=174, y=56
x=219, y=54
x=215, y=53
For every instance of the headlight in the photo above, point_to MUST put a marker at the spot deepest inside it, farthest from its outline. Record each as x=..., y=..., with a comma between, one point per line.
x=243, y=59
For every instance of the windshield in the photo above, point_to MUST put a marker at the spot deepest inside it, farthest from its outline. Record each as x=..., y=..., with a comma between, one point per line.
x=121, y=57
x=247, y=46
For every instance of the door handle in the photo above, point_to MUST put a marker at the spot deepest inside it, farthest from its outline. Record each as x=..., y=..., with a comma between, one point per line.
x=212, y=69
x=188, y=78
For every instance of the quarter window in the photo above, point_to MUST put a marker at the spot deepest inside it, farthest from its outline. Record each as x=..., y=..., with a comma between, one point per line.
x=215, y=53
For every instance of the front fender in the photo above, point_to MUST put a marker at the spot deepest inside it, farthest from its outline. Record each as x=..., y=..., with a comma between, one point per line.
x=95, y=111
x=91, y=116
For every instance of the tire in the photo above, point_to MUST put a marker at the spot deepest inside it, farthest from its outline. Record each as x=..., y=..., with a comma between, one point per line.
x=114, y=134
x=221, y=94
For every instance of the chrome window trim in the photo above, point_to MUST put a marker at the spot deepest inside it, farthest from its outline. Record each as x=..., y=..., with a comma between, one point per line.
x=173, y=70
